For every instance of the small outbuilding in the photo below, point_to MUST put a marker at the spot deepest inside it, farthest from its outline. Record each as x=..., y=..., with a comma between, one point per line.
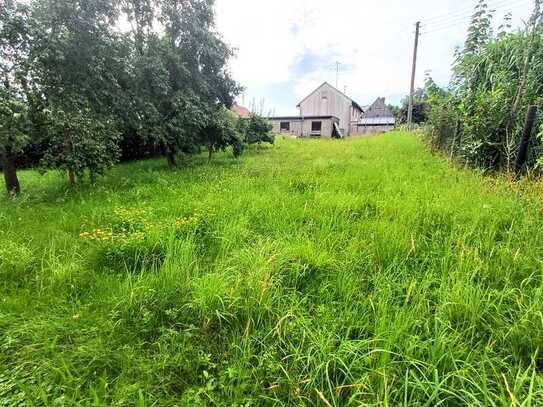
x=308, y=126
x=377, y=119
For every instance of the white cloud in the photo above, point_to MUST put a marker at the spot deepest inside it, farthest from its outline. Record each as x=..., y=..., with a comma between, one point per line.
x=257, y=29
x=373, y=39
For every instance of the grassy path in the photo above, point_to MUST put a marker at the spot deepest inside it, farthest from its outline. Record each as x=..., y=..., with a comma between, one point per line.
x=364, y=271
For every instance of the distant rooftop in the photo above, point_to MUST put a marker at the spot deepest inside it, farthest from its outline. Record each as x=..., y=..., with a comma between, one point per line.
x=378, y=113
x=241, y=111
x=373, y=121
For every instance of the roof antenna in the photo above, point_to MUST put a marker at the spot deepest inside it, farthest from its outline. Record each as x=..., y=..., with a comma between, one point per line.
x=337, y=73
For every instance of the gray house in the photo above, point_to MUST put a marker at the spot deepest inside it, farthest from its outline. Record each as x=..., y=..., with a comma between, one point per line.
x=377, y=119
x=327, y=100
x=326, y=112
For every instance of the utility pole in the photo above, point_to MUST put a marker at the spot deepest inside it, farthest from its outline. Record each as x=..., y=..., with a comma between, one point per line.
x=413, y=73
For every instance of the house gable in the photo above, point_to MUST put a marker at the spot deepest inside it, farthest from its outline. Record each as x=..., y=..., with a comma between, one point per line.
x=377, y=119
x=327, y=100
x=379, y=111
x=324, y=87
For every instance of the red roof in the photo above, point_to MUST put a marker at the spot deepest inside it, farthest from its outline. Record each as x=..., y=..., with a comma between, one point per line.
x=241, y=111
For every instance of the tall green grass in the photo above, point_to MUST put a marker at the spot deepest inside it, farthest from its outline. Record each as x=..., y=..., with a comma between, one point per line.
x=316, y=272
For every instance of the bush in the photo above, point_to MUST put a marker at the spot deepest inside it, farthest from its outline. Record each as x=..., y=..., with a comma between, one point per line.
x=480, y=117
x=256, y=130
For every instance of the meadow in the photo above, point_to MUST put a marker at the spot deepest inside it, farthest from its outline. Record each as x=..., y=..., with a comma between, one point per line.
x=350, y=272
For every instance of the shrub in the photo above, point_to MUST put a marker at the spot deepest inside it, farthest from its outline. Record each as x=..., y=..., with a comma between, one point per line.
x=256, y=130
x=479, y=118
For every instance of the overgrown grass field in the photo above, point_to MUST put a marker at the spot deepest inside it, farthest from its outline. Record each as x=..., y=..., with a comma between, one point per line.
x=359, y=272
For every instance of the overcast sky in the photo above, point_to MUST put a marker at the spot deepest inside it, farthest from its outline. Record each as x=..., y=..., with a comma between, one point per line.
x=286, y=48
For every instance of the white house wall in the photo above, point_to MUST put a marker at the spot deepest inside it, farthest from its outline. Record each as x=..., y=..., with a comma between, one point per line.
x=302, y=128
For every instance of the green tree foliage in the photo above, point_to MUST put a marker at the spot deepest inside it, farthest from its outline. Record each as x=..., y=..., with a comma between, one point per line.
x=86, y=89
x=78, y=69
x=420, y=108
x=480, y=29
x=180, y=74
x=220, y=133
x=80, y=141
x=256, y=130
x=496, y=77
x=395, y=110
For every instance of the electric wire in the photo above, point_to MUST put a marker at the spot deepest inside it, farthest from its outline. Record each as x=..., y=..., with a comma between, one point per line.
x=456, y=22
x=460, y=17
x=506, y=7
x=466, y=11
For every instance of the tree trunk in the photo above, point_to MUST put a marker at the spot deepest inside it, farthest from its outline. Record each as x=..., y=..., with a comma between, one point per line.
x=525, y=142
x=71, y=176
x=10, y=174
x=172, y=160
x=209, y=153
x=521, y=89
x=93, y=176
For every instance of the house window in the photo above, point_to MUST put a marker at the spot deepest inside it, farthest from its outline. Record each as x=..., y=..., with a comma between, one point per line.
x=316, y=127
x=285, y=126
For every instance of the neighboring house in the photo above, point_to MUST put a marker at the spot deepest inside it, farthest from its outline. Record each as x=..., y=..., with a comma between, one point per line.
x=377, y=119
x=326, y=112
x=241, y=111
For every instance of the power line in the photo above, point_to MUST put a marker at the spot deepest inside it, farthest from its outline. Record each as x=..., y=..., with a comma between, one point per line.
x=461, y=17
x=457, y=17
x=447, y=23
x=446, y=27
x=508, y=5
x=466, y=11
x=456, y=22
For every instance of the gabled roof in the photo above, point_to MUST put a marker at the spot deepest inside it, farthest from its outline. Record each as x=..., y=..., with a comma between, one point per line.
x=340, y=92
x=378, y=112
